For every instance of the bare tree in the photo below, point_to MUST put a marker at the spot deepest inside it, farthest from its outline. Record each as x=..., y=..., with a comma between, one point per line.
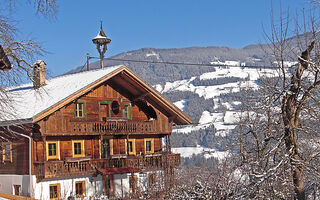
x=279, y=138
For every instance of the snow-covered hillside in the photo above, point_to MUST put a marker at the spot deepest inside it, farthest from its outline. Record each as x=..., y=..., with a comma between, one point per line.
x=225, y=121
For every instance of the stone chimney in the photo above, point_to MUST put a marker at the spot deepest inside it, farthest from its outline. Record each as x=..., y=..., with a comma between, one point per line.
x=39, y=74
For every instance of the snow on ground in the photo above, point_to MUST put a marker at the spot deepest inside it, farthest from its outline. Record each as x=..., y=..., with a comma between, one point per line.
x=288, y=63
x=223, y=122
x=187, y=152
x=153, y=54
x=181, y=104
x=174, y=85
x=231, y=117
x=158, y=87
x=227, y=63
x=189, y=128
x=238, y=72
x=227, y=105
x=208, y=117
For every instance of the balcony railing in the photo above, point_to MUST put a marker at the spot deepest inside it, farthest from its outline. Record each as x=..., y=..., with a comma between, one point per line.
x=53, y=169
x=118, y=127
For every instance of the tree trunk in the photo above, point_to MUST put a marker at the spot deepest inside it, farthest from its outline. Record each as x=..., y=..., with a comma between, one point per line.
x=291, y=107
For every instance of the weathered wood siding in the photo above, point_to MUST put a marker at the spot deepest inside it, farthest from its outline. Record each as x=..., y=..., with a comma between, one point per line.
x=58, y=123
x=20, y=158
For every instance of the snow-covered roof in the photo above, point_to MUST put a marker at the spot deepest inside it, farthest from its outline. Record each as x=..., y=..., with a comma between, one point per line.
x=26, y=102
x=27, y=105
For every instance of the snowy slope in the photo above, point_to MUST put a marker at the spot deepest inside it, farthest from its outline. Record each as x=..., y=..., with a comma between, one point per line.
x=222, y=121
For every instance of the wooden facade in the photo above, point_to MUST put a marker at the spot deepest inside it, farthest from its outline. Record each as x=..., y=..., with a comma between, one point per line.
x=113, y=124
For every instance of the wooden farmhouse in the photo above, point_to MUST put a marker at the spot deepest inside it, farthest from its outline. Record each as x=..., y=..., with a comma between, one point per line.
x=103, y=132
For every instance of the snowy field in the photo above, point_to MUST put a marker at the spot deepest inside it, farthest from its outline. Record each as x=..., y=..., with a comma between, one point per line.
x=187, y=152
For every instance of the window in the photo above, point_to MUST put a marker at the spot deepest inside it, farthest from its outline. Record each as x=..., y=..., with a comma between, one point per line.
x=7, y=152
x=148, y=145
x=80, y=188
x=78, y=148
x=53, y=150
x=131, y=147
x=126, y=111
x=54, y=191
x=133, y=183
x=17, y=189
x=80, y=109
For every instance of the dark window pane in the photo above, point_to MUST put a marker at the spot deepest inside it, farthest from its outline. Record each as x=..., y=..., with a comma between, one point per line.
x=52, y=149
x=53, y=191
x=148, y=145
x=8, y=151
x=77, y=148
x=130, y=147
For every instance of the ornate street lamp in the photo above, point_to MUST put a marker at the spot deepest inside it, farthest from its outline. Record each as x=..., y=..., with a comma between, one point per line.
x=101, y=40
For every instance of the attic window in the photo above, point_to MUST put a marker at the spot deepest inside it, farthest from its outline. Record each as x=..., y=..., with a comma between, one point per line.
x=126, y=111
x=7, y=152
x=80, y=109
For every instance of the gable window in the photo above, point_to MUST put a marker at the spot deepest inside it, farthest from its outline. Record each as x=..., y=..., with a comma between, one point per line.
x=54, y=190
x=148, y=145
x=131, y=147
x=7, y=151
x=126, y=111
x=80, y=109
x=78, y=148
x=80, y=188
x=53, y=150
x=133, y=183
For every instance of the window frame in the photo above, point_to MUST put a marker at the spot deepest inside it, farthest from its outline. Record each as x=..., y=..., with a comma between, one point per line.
x=109, y=108
x=129, y=114
x=57, y=156
x=83, y=183
x=76, y=110
x=135, y=183
x=4, y=151
x=152, y=145
x=133, y=146
x=58, y=191
x=82, y=148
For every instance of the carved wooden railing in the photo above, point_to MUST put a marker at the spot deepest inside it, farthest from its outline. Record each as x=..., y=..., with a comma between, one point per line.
x=51, y=169
x=117, y=127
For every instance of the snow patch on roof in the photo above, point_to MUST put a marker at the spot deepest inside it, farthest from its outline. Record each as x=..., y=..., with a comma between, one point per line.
x=28, y=102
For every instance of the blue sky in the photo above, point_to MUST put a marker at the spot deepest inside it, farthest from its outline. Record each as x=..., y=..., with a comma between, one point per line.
x=145, y=23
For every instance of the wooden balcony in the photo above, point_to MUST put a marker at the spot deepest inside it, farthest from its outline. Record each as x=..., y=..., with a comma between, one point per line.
x=118, y=127
x=54, y=169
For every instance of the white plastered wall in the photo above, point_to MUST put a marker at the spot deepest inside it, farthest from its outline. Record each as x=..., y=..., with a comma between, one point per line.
x=93, y=187
x=7, y=181
x=122, y=185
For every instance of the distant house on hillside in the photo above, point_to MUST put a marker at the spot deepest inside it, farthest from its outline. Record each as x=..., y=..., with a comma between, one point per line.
x=88, y=134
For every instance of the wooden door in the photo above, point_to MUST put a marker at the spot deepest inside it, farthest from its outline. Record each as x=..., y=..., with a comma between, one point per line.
x=105, y=148
x=108, y=185
x=104, y=112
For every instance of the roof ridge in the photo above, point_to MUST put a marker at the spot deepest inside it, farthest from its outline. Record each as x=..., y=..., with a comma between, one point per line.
x=82, y=72
x=62, y=76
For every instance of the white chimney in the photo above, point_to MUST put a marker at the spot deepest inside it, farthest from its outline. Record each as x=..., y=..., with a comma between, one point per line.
x=39, y=74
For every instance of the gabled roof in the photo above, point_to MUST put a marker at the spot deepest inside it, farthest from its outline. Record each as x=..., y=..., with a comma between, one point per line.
x=33, y=105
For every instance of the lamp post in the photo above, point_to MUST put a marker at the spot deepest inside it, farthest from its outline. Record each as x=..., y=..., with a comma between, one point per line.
x=101, y=40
